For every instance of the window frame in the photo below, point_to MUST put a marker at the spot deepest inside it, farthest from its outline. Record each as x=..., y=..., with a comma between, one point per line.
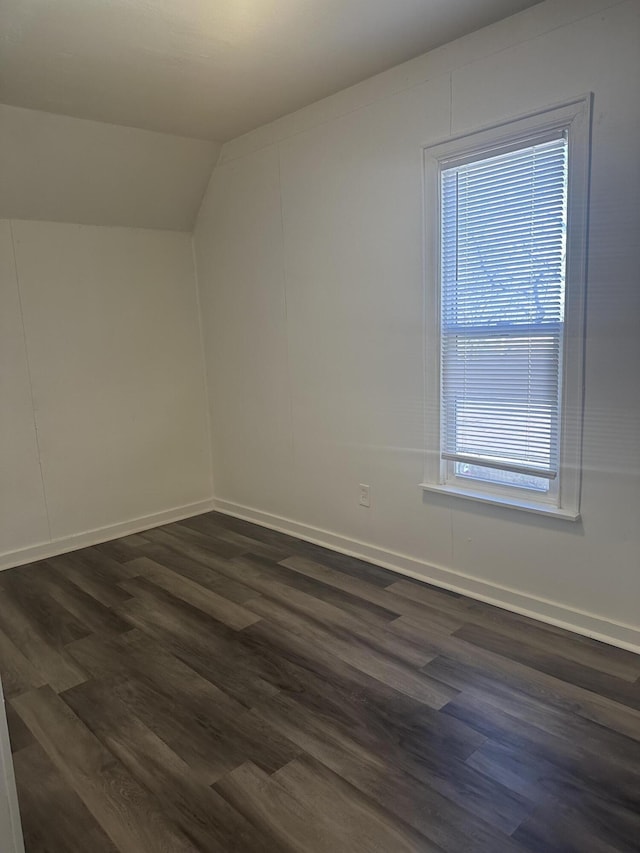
x=574, y=117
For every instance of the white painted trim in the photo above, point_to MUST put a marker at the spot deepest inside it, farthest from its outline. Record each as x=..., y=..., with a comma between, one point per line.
x=574, y=118
x=579, y=621
x=11, y=840
x=500, y=500
x=525, y=26
x=101, y=534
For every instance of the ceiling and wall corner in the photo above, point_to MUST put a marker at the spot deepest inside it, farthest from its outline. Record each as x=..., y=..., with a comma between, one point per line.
x=213, y=69
x=113, y=113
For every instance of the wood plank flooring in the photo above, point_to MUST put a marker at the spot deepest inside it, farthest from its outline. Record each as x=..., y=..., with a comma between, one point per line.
x=214, y=686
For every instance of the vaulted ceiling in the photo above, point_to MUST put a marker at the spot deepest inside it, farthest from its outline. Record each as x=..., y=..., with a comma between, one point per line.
x=213, y=69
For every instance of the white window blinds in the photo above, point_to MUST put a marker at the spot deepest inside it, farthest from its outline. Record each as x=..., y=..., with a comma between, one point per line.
x=503, y=227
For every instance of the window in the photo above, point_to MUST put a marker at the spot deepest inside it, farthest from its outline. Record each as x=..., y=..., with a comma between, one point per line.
x=506, y=233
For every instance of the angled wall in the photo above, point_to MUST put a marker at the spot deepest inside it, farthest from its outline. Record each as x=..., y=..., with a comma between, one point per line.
x=65, y=169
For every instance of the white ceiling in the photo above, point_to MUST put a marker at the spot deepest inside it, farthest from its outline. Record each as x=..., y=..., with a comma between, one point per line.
x=213, y=68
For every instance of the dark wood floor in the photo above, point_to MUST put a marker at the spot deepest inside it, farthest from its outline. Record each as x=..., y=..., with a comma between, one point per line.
x=214, y=686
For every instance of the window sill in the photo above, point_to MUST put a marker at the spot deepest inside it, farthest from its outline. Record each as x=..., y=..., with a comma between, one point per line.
x=497, y=500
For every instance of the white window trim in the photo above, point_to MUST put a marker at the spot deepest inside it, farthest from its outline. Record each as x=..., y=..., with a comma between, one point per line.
x=575, y=116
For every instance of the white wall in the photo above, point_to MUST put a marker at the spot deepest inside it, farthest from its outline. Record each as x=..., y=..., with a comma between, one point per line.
x=309, y=260
x=71, y=170
x=103, y=417
x=23, y=517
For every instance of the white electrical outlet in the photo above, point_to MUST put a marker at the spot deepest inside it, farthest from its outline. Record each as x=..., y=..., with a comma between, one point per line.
x=364, y=499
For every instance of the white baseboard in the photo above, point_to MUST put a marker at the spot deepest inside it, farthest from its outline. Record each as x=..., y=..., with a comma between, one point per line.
x=587, y=624
x=65, y=544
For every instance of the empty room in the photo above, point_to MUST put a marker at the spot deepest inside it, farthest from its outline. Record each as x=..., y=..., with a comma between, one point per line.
x=319, y=426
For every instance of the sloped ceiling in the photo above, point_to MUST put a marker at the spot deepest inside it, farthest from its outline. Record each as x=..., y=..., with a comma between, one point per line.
x=72, y=170
x=213, y=69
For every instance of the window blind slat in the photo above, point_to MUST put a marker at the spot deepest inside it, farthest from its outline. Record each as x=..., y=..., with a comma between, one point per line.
x=503, y=242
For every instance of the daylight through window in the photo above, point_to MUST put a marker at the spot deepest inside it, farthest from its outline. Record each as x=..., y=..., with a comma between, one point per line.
x=506, y=275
